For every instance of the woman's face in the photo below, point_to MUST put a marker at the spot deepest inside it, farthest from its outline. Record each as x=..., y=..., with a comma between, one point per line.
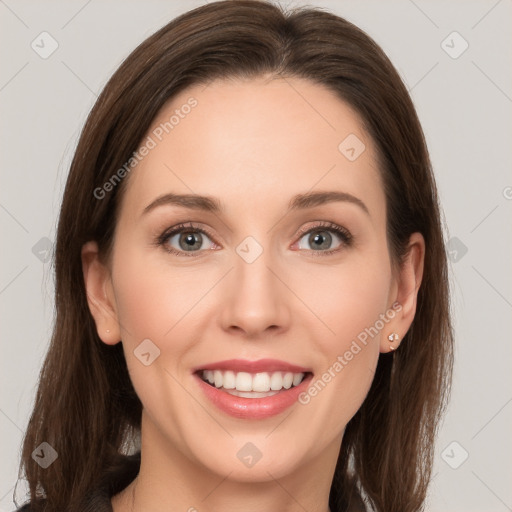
x=281, y=267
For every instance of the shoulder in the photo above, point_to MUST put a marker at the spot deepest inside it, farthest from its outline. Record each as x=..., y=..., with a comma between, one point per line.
x=117, y=477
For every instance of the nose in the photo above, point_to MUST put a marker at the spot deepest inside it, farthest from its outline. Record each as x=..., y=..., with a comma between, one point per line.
x=256, y=301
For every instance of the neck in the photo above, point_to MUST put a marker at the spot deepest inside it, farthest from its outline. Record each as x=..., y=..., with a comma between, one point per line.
x=169, y=480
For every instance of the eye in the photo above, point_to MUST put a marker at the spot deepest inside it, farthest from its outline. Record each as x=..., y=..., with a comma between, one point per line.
x=325, y=238
x=183, y=239
x=188, y=241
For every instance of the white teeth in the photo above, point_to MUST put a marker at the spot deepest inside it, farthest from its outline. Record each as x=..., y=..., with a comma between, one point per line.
x=276, y=381
x=243, y=381
x=259, y=383
x=228, y=380
x=288, y=380
x=297, y=379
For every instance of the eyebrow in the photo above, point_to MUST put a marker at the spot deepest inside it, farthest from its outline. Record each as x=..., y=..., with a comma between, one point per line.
x=213, y=205
x=191, y=201
x=311, y=199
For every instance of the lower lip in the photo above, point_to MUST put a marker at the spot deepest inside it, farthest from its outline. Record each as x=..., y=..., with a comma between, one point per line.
x=253, y=408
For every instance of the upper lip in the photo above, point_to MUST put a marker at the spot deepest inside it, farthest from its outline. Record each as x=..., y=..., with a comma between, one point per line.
x=261, y=365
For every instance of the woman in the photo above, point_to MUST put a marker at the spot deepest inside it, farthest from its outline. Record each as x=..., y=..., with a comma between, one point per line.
x=251, y=283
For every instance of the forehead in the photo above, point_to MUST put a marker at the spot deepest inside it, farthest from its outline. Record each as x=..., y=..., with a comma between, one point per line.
x=247, y=141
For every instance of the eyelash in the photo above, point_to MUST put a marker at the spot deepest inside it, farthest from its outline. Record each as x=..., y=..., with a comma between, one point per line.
x=344, y=235
x=184, y=227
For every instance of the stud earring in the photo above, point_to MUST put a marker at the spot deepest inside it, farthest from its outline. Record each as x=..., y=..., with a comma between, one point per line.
x=108, y=330
x=393, y=337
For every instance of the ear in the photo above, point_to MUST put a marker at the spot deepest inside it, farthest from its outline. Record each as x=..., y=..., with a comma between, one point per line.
x=100, y=294
x=405, y=293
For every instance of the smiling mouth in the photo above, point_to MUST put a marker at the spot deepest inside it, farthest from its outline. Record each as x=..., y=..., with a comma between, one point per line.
x=252, y=385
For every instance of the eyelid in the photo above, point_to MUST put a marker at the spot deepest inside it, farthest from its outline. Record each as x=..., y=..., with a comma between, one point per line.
x=180, y=228
x=343, y=233
x=329, y=226
x=346, y=238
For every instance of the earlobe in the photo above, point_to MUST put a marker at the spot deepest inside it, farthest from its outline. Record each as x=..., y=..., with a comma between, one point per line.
x=393, y=339
x=406, y=295
x=100, y=299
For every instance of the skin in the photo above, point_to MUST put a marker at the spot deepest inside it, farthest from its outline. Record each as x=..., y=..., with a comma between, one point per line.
x=253, y=145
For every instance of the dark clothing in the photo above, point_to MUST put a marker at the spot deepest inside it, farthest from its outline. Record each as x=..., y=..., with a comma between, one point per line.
x=124, y=472
x=114, y=481
x=98, y=502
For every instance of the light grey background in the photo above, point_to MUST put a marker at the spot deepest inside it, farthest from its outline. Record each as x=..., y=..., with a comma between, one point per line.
x=464, y=104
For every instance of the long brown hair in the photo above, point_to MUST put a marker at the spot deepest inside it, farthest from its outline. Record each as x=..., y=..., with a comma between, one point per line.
x=86, y=407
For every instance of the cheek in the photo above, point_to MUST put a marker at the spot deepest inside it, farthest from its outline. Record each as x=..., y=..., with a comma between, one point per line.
x=154, y=302
x=351, y=306
x=167, y=305
x=347, y=298
x=152, y=298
